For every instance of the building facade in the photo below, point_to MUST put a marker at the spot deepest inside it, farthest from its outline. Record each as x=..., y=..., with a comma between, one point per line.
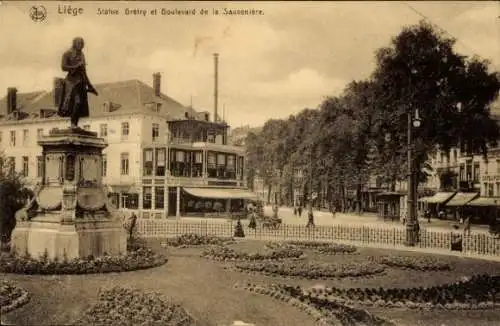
x=163, y=159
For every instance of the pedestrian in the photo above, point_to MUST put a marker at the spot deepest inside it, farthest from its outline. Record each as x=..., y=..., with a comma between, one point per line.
x=310, y=219
x=300, y=210
x=294, y=210
x=467, y=225
x=333, y=209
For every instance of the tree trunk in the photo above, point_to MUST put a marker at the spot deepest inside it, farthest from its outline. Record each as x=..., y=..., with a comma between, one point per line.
x=269, y=188
x=358, y=198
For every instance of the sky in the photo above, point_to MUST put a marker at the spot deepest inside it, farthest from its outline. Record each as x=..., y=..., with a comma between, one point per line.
x=271, y=65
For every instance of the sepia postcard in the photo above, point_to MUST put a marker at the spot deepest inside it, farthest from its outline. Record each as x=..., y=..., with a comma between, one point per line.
x=250, y=163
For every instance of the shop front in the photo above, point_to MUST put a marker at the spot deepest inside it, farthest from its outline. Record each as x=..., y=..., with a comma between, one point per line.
x=215, y=202
x=457, y=205
x=485, y=210
x=437, y=203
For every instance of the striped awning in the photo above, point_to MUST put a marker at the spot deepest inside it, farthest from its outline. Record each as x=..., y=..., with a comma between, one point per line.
x=221, y=193
x=462, y=198
x=484, y=202
x=440, y=197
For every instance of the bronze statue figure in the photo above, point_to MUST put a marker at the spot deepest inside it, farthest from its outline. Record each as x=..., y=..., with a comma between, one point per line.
x=74, y=100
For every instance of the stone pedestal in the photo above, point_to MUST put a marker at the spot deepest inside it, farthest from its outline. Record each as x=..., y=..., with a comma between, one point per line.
x=69, y=217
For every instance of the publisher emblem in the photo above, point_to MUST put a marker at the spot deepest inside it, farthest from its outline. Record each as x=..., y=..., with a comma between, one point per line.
x=38, y=13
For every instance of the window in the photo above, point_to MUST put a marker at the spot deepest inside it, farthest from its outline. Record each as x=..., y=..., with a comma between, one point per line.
x=498, y=189
x=161, y=160
x=241, y=167
x=197, y=165
x=498, y=166
x=25, y=166
x=455, y=156
x=125, y=129
x=490, y=190
x=462, y=172
x=1, y=137
x=104, y=165
x=146, y=198
x=211, y=165
x=103, y=130
x=441, y=157
x=231, y=167
x=485, y=189
x=124, y=163
x=148, y=161
x=156, y=131
x=86, y=127
x=39, y=132
x=476, y=172
x=221, y=165
x=12, y=165
x=12, y=138
x=39, y=166
x=129, y=201
x=159, y=197
x=26, y=134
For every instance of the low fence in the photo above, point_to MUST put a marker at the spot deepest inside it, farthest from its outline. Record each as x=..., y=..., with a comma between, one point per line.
x=478, y=244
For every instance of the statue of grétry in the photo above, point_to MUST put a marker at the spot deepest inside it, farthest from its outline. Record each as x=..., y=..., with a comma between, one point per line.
x=74, y=100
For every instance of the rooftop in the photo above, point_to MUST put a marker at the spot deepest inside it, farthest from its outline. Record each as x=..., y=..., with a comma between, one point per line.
x=116, y=98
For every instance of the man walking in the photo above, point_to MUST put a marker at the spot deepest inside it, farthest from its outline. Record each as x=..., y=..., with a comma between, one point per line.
x=310, y=217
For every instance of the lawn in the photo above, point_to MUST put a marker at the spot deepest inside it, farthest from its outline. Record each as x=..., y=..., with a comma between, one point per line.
x=206, y=290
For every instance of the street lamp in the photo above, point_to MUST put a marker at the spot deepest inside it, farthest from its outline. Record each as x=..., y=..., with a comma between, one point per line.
x=412, y=221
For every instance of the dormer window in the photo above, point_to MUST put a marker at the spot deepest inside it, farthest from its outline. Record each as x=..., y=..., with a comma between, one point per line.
x=186, y=115
x=46, y=113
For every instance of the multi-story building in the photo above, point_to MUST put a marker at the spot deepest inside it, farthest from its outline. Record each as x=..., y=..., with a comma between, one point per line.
x=163, y=158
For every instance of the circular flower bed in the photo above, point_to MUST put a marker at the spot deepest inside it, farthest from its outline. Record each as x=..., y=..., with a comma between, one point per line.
x=419, y=263
x=140, y=258
x=311, y=270
x=320, y=247
x=122, y=306
x=480, y=292
x=324, y=313
x=191, y=239
x=222, y=253
x=11, y=297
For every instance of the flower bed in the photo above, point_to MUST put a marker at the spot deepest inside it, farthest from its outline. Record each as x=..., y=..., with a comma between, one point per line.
x=192, y=239
x=11, y=297
x=419, y=263
x=480, y=292
x=324, y=313
x=140, y=258
x=320, y=247
x=222, y=253
x=310, y=270
x=123, y=306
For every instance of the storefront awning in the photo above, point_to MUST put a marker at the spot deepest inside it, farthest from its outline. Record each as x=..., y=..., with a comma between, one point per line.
x=439, y=197
x=484, y=202
x=462, y=198
x=218, y=193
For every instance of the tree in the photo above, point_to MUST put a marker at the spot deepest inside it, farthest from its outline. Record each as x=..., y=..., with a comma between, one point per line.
x=452, y=93
x=13, y=195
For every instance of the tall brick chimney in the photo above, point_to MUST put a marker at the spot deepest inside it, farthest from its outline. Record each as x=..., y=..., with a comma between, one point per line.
x=11, y=99
x=216, y=85
x=57, y=91
x=157, y=83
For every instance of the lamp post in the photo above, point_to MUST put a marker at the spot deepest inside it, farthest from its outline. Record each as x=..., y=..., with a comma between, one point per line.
x=412, y=220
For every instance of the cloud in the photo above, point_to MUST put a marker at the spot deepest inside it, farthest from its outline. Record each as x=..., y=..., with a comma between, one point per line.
x=306, y=82
x=270, y=66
